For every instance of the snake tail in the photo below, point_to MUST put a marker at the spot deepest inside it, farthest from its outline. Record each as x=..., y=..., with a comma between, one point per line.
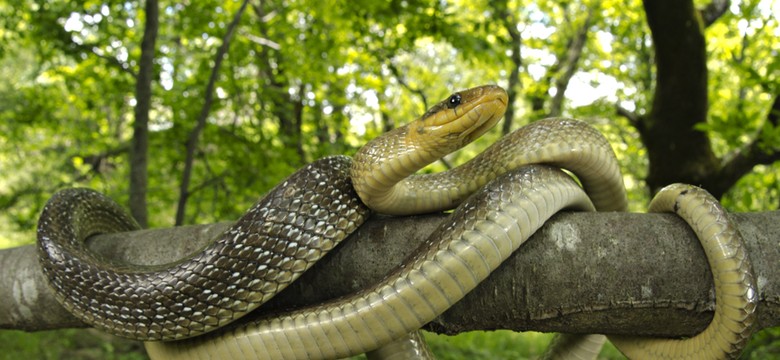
x=736, y=293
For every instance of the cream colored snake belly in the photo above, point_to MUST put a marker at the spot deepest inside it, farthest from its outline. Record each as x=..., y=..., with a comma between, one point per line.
x=490, y=222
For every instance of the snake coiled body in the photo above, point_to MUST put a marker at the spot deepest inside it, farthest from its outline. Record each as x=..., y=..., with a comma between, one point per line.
x=280, y=237
x=485, y=229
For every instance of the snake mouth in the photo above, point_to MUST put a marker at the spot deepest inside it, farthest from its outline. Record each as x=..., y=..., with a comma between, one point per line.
x=487, y=114
x=464, y=116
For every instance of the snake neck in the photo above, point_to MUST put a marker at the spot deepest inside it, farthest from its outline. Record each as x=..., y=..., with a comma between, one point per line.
x=388, y=183
x=382, y=174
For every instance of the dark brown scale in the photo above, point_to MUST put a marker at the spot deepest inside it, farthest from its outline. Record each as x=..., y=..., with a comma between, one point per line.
x=281, y=236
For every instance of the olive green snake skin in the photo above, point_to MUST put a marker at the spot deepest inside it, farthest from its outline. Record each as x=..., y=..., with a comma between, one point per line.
x=501, y=200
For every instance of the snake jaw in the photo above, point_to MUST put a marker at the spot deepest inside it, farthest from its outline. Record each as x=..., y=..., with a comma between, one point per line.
x=446, y=127
x=488, y=114
x=450, y=126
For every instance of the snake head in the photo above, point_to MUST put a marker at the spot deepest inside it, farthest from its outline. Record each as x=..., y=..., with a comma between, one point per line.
x=460, y=118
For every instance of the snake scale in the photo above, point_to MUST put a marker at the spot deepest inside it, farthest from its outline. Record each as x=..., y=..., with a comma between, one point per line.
x=501, y=199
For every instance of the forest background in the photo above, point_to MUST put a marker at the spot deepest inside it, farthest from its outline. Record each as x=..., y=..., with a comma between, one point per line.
x=188, y=111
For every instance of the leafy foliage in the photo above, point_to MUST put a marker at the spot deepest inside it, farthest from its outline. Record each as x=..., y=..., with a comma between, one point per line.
x=68, y=344
x=304, y=79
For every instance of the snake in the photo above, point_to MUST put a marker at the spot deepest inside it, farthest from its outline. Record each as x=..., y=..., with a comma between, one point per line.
x=500, y=198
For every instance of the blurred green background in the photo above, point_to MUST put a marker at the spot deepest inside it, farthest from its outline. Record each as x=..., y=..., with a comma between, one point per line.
x=297, y=80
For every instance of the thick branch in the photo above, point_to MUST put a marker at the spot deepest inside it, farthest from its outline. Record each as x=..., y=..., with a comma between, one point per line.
x=586, y=272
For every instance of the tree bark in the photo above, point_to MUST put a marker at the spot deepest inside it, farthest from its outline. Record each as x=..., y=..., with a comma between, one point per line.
x=677, y=151
x=192, y=140
x=582, y=272
x=143, y=98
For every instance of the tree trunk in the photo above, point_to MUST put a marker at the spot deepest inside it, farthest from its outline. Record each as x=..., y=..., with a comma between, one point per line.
x=143, y=98
x=677, y=151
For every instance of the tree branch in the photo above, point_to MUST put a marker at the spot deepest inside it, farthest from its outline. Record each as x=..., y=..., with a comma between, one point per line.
x=713, y=11
x=402, y=81
x=192, y=140
x=573, y=53
x=110, y=59
x=261, y=41
x=632, y=117
x=753, y=154
x=509, y=21
x=582, y=272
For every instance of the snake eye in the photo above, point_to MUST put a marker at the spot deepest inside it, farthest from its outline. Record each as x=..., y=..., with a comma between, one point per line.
x=453, y=101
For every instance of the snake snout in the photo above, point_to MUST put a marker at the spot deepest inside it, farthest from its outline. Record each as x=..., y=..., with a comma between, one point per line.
x=485, y=116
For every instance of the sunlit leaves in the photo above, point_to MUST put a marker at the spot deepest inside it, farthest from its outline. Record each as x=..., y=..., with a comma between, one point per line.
x=745, y=75
x=762, y=180
x=343, y=71
x=339, y=72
